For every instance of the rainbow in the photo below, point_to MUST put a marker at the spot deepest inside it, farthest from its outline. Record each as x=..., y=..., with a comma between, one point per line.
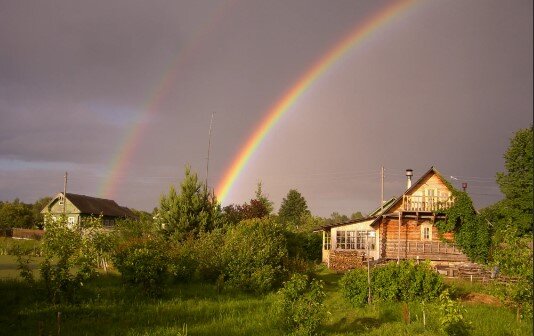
x=133, y=135
x=356, y=36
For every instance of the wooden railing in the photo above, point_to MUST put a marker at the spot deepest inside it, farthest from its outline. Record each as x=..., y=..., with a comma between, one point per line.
x=422, y=247
x=426, y=203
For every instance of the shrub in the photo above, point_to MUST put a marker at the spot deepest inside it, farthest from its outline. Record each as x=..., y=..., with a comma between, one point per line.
x=405, y=281
x=301, y=305
x=255, y=252
x=183, y=263
x=354, y=287
x=304, y=245
x=143, y=262
x=70, y=257
x=208, y=251
x=452, y=316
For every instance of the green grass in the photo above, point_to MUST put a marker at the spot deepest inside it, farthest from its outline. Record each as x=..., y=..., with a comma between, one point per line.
x=8, y=246
x=9, y=270
x=108, y=307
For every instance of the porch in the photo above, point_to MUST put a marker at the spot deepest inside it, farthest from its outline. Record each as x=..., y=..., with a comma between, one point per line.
x=416, y=249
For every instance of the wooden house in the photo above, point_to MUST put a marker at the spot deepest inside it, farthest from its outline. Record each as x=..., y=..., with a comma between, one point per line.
x=402, y=229
x=78, y=207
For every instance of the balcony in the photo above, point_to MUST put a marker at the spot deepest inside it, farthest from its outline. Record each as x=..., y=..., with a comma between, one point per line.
x=426, y=203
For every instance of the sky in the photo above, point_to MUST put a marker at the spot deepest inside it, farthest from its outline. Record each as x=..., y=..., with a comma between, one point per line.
x=120, y=94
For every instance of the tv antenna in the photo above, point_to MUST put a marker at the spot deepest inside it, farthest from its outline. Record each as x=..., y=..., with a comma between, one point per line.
x=208, y=159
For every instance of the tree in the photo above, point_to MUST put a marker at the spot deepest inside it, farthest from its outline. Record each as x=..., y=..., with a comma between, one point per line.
x=259, y=207
x=516, y=183
x=293, y=209
x=16, y=214
x=193, y=210
x=512, y=221
x=356, y=215
x=38, y=218
x=266, y=203
x=336, y=217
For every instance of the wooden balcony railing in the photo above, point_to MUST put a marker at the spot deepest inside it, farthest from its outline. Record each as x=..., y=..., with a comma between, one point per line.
x=426, y=203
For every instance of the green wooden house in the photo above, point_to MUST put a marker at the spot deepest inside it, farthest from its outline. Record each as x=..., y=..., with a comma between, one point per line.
x=77, y=207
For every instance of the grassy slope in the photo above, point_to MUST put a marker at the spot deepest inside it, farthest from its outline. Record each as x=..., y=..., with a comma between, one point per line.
x=107, y=307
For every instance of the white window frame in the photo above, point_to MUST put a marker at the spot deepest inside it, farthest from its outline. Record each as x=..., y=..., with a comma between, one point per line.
x=327, y=240
x=355, y=239
x=426, y=232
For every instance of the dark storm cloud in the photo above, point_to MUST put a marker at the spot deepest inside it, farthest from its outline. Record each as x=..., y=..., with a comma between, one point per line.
x=444, y=84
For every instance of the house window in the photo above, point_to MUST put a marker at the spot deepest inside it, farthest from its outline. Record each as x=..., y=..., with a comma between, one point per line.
x=108, y=222
x=72, y=220
x=360, y=240
x=355, y=240
x=345, y=240
x=426, y=232
x=327, y=240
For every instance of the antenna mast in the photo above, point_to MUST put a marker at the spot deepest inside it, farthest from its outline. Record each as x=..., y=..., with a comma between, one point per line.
x=382, y=188
x=208, y=159
x=65, y=194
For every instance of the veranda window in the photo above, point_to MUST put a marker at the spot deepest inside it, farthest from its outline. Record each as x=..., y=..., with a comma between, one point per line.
x=355, y=240
x=327, y=240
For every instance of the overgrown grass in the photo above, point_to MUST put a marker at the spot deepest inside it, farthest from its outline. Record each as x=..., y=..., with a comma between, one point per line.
x=108, y=307
x=9, y=245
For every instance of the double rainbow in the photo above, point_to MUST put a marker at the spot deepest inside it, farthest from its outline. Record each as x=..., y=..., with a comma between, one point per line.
x=356, y=36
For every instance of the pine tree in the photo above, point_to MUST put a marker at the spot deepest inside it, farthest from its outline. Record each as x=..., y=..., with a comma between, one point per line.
x=193, y=210
x=262, y=198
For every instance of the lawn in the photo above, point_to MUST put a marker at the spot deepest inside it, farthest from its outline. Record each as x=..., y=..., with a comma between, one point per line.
x=107, y=307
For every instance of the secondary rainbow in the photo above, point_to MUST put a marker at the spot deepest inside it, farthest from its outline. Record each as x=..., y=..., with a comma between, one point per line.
x=356, y=36
x=132, y=137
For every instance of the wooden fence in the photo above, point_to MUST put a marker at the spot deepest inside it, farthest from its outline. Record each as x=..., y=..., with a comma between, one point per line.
x=27, y=234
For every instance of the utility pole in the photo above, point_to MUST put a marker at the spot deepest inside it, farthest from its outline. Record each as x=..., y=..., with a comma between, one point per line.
x=382, y=189
x=65, y=194
x=208, y=159
x=368, y=269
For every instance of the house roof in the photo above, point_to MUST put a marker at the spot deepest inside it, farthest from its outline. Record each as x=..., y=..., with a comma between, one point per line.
x=373, y=215
x=352, y=221
x=409, y=190
x=96, y=206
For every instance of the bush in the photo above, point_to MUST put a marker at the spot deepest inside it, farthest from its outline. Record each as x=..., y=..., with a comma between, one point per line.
x=183, y=263
x=301, y=305
x=354, y=287
x=255, y=252
x=208, y=251
x=452, y=316
x=405, y=281
x=70, y=257
x=143, y=262
x=304, y=245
